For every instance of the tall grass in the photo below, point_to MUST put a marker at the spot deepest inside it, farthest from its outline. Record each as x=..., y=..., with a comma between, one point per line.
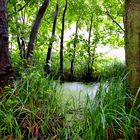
x=32, y=109
x=106, y=116
x=36, y=109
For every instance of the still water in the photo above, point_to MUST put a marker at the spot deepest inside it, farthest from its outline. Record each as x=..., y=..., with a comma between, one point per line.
x=76, y=88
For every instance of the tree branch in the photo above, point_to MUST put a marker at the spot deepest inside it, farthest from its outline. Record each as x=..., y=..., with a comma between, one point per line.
x=108, y=14
x=20, y=9
x=24, y=6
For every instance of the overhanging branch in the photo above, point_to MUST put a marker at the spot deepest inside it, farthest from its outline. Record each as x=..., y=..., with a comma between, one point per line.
x=108, y=14
x=24, y=6
x=20, y=9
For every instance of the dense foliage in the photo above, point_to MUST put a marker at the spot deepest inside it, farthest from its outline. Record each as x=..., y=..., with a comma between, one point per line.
x=37, y=107
x=99, y=24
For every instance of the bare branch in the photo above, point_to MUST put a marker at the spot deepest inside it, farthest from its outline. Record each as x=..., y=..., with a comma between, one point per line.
x=108, y=13
x=24, y=6
x=20, y=9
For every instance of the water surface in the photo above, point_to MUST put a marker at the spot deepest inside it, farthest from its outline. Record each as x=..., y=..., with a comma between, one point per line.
x=76, y=88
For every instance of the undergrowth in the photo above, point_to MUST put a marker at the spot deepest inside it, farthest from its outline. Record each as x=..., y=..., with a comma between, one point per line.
x=103, y=67
x=36, y=109
x=31, y=110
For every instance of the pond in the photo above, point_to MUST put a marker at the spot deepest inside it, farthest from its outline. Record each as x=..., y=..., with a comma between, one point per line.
x=78, y=88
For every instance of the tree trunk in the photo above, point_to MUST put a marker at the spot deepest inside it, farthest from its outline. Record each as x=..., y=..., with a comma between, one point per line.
x=23, y=48
x=132, y=49
x=74, y=46
x=6, y=72
x=61, y=44
x=35, y=28
x=89, y=49
x=21, y=44
x=47, y=68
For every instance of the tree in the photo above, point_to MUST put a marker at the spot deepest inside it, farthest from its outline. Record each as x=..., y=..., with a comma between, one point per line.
x=132, y=42
x=35, y=28
x=104, y=32
x=74, y=51
x=21, y=44
x=61, y=43
x=6, y=72
x=48, y=68
x=89, y=48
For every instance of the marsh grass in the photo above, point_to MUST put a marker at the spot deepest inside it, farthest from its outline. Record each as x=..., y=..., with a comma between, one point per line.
x=105, y=117
x=36, y=109
x=32, y=109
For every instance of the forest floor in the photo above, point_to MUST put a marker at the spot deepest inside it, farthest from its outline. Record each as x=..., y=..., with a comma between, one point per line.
x=36, y=109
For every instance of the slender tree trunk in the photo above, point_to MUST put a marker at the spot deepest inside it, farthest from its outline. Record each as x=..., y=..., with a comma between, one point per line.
x=89, y=45
x=48, y=68
x=21, y=44
x=74, y=46
x=35, y=28
x=6, y=72
x=61, y=44
x=23, y=48
x=132, y=49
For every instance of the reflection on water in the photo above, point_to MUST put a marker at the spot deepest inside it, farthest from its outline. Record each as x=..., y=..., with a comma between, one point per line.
x=73, y=88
